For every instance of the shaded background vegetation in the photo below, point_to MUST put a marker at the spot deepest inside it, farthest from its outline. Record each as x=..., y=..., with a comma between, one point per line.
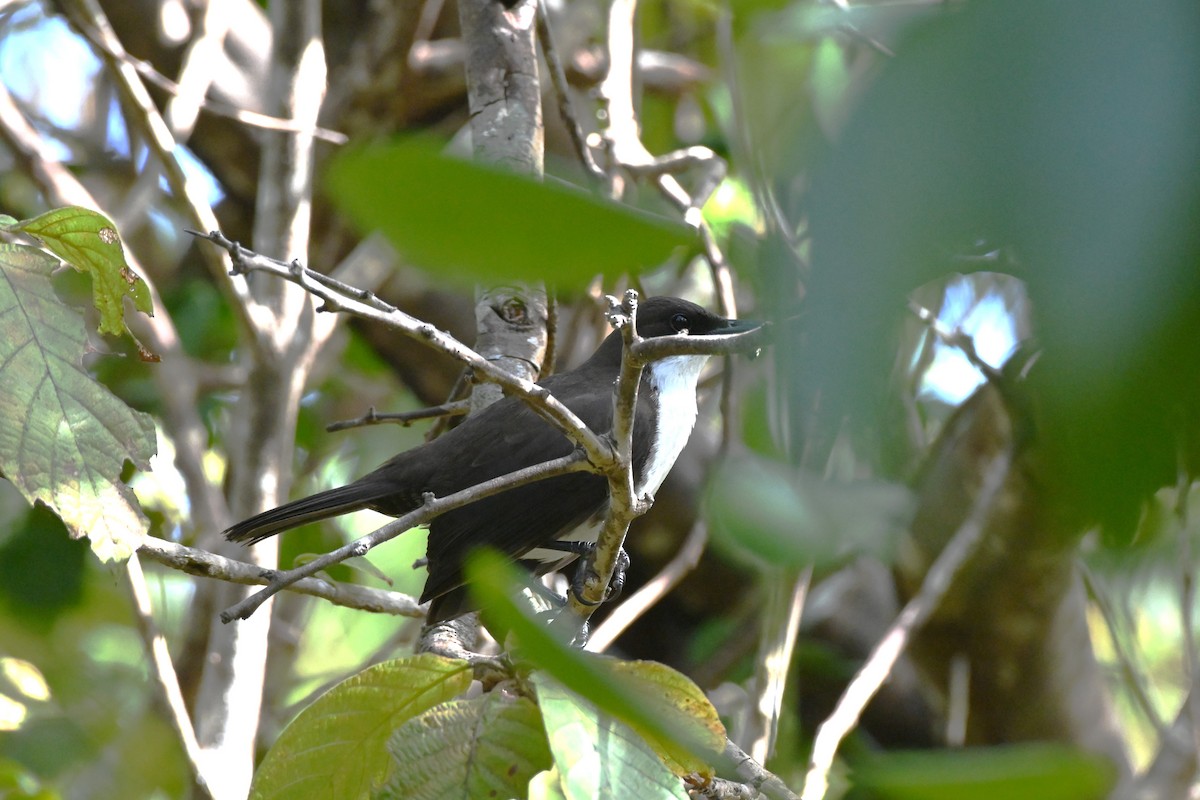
x=1025, y=172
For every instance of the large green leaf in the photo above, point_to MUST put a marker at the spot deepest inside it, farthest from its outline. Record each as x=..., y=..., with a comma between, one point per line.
x=487, y=746
x=65, y=438
x=88, y=241
x=472, y=222
x=597, y=756
x=337, y=747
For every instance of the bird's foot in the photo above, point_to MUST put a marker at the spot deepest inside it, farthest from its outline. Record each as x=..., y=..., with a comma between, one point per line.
x=616, y=583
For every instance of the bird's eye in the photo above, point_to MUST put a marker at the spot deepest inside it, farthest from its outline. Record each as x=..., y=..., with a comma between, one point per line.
x=680, y=323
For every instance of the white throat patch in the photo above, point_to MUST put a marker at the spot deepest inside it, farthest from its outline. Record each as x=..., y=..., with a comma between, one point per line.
x=674, y=379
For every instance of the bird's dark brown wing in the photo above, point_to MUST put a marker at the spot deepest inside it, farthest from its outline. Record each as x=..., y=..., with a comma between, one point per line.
x=527, y=517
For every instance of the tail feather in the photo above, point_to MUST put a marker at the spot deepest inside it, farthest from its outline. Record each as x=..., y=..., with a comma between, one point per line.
x=322, y=505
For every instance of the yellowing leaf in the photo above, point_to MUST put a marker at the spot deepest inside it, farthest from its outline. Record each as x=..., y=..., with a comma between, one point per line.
x=673, y=696
x=88, y=241
x=65, y=437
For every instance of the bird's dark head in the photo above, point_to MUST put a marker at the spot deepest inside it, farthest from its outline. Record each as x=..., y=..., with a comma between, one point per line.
x=667, y=316
x=673, y=316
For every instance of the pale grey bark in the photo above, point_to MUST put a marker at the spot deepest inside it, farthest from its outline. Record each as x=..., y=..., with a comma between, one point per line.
x=286, y=334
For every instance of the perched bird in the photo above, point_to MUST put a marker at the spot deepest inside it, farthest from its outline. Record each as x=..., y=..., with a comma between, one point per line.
x=529, y=523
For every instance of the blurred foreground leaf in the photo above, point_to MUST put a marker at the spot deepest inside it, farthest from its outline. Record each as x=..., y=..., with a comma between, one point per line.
x=66, y=438
x=597, y=755
x=473, y=222
x=679, y=723
x=1064, y=132
x=1027, y=771
x=763, y=510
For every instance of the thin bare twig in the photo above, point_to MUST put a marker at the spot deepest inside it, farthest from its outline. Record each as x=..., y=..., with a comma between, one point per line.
x=955, y=338
x=428, y=55
x=757, y=776
x=461, y=390
x=780, y=627
x=183, y=109
x=254, y=119
x=647, y=350
x=454, y=408
x=210, y=565
x=219, y=108
x=626, y=149
x=562, y=92
x=915, y=613
x=90, y=20
x=339, y=297
x=1128, y=665
x=432, y=507
x=165, y=677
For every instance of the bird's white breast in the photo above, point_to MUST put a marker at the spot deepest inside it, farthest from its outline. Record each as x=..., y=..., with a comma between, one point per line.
x=674, y=381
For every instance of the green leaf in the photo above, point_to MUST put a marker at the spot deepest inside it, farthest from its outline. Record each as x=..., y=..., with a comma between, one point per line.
x=473, y=222
x=676, y=699
x=1027, y=771
x=66, y=438
x=591, y=676
x=337, y=746
x=598, y=756
x=763, y=511
x=487, y=746
x=547, y=785
x=88, y=241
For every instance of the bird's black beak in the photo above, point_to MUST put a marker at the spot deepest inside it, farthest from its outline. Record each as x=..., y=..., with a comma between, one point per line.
x=752, y=335
x=740, y=326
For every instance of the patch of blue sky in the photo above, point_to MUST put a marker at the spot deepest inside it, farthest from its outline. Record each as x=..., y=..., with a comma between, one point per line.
x=53, y=73
x=116, y=136
x=47, y=67
x=197, y=174
x=952, y=378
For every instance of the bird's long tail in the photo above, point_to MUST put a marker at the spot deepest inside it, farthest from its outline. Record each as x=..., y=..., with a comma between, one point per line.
x=322, y=505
